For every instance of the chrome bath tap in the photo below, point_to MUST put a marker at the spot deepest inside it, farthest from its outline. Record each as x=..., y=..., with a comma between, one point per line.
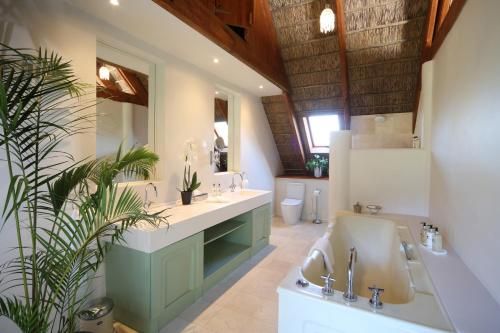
x=349, y=294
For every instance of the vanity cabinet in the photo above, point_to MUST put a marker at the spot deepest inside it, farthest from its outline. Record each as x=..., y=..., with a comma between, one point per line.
x=151, y=289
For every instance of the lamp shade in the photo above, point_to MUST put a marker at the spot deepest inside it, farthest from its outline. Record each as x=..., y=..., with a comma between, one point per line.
x=104, y=73
x=327, y=20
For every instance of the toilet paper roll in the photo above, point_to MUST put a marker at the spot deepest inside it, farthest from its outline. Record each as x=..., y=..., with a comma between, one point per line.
x=339, y=180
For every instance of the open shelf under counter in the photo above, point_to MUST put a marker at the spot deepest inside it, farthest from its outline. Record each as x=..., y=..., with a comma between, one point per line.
x=219, y=253
x=221, y=230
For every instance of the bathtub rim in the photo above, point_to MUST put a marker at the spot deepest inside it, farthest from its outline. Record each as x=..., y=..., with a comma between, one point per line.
x=434, y=309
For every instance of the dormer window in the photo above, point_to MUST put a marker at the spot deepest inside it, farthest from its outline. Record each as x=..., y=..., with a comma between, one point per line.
x=318, y=130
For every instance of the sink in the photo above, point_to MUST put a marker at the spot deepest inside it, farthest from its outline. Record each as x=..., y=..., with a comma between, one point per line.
x=245, y=192
x=218, y=199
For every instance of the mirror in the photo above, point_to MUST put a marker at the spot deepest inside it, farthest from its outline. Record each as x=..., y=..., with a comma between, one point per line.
x=125, y=112
x=221, y=132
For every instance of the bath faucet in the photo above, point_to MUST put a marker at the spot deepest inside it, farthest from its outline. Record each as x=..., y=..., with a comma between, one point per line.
x=147, y=201
x=327, y=290
x=349, y=294
x=375, y=300
x=233, y=185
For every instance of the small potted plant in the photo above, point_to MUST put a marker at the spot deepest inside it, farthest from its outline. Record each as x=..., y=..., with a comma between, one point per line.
x=189, y=183
x=317, y=164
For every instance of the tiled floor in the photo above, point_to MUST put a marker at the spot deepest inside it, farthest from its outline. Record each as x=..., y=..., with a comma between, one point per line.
x=246, y=301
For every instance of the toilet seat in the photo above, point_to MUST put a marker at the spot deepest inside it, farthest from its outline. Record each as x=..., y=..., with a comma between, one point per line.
x=291, y=202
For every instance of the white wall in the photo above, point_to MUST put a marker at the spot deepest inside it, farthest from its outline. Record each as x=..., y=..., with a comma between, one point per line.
x=465, y=172
x=396, y=179
x=311, y=185
x=184, y=107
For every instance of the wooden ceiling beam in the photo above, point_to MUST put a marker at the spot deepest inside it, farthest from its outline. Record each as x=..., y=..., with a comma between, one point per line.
x=118, y=96
x=293, y=122
x=448, y=21
x=440, y=19
x=259, y=50
x=428, y=36
x=344, y=74
x=136, y=85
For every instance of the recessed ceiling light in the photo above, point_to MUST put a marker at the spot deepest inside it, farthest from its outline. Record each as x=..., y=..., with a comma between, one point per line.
x=216, y=60
x=261, y=87
x=216, y=92
x=114, y=2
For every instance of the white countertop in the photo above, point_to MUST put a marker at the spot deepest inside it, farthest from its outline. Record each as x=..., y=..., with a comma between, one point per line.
x=469, y=306
x=185, y=221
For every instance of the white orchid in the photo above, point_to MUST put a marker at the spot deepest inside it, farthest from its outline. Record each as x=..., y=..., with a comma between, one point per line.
x=189, y=155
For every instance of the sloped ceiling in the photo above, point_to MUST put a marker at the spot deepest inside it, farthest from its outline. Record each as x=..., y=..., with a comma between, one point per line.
x=383, y=40
x=311, y=58
x=383, y=44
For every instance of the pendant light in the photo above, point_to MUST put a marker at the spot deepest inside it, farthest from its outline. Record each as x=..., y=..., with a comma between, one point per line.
x=104, y=73
x=327, y=20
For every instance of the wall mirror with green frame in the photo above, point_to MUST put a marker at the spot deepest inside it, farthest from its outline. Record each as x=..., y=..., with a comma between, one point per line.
x=225, y=138
x=125, y=103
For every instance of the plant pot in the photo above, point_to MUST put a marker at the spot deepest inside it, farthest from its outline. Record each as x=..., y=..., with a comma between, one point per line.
x=186, y=197
x=318, y=172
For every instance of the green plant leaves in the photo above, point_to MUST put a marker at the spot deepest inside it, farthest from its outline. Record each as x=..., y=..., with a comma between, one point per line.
x=194, y=183
x=40, y=108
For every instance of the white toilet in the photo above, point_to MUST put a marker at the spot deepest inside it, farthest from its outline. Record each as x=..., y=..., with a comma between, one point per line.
x=291, y=206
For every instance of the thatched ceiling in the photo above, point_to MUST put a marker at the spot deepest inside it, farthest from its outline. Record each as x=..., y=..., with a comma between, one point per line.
x=311, y=58
x=383, y=43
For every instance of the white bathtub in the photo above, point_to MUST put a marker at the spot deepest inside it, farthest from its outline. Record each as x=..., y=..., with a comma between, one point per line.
x=409, y=301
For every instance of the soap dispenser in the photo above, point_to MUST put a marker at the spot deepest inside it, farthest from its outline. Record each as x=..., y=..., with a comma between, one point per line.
x=422, y=232
x=430, y=237
x=437, y=241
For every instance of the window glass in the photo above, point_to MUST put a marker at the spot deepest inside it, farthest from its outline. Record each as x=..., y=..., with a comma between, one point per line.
x=318, y=130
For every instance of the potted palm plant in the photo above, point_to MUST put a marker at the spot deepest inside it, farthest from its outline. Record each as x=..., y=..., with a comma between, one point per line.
x=189, y=183
x=64, y=213
x=317, y=164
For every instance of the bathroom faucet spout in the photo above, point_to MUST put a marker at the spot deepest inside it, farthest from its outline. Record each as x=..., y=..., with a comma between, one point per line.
x=147, y=200
x=242, y=177
x=349, y=294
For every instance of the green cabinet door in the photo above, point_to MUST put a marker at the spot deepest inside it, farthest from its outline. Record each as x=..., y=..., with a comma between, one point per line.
x=176, y=278
x=150, y=289
x=261, y=219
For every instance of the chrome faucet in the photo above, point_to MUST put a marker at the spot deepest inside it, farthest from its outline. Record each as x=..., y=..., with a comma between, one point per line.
x=147, y=201
x=327, y=290
x=233, y=185
x=375, y=300
x=349, y=294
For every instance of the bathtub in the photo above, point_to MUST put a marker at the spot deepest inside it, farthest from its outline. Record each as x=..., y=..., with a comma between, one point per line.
x=409, y=301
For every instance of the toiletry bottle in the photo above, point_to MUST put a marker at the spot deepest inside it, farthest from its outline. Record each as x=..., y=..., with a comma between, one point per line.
x=214, y=190
x=219, y=190
x=422, y=224
x=357, y=208
x=437, y=241
x=426, y=228
x=430, y=237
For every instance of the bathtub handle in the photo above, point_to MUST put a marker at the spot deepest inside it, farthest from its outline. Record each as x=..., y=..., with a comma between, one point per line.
x=375, y=300
x=327, y=290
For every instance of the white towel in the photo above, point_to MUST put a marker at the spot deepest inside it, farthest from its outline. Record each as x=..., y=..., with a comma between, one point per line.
x=324, y=247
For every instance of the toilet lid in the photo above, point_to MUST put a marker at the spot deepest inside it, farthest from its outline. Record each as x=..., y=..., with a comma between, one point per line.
x=291, y=202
